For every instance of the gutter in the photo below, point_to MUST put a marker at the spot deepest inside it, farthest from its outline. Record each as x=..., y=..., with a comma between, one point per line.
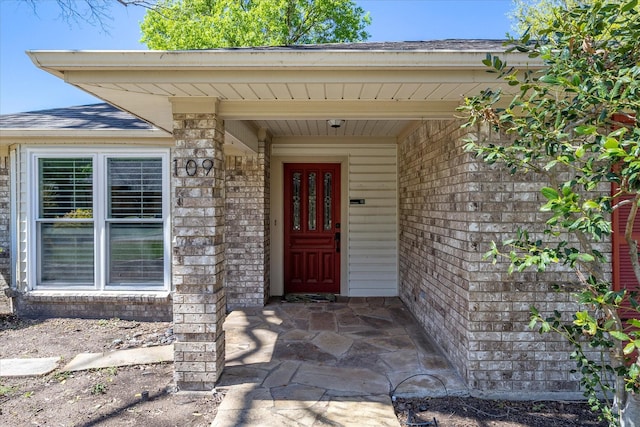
x=58, y=61
x=82, y=133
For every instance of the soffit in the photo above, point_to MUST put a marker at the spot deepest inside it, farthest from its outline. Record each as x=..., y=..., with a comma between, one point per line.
x=291, y=93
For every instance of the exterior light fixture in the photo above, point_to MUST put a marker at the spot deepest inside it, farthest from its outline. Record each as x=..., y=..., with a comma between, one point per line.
x=335, y=123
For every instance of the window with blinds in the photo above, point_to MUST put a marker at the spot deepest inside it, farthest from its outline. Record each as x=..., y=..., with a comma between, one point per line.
x=100, y=221
x=65, y=221
x=134, y=222
x=135, y=188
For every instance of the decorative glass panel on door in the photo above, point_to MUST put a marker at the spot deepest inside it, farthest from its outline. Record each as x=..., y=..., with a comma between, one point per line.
x=297, y=199
x=328, y=194
x=312, y=201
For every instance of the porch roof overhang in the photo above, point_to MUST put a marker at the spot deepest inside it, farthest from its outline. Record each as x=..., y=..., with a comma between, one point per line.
x=288, y=91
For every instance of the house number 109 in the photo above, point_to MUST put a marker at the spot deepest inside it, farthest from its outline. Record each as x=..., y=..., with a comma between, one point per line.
x=191, y=167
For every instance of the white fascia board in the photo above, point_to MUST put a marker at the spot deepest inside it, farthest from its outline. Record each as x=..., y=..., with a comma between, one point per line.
x=58, y=61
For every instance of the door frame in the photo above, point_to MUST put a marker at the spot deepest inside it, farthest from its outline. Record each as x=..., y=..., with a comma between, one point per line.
x=277, y=218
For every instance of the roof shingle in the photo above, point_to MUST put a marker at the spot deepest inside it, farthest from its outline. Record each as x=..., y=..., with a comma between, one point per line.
x=96, y=116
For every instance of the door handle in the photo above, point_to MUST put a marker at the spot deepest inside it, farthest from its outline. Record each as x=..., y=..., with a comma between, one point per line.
x=337, y=239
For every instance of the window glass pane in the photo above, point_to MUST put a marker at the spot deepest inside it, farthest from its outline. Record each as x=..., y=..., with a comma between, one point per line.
x=328, y=193
x=65, y=188
x=297, y=198
x=312, y=201
x=66, y=253
x=136, y=254
x=135, y=188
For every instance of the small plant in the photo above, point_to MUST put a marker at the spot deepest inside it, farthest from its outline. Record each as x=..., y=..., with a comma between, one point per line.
x=62, y=376
x=6, y=390
x=537, y=407
x=107, y=322
x=98, y=388
x=28, y=394
x=112, y=371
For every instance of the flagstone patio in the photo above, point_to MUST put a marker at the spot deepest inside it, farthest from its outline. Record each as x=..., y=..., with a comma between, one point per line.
x=339, y=363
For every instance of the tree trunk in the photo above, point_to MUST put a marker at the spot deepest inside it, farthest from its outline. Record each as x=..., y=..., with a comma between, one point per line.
x=630, y=413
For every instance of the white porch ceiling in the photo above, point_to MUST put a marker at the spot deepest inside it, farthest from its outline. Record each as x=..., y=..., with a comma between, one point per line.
x=350, y=128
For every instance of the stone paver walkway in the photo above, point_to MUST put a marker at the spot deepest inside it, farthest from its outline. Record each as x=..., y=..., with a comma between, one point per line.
x=28, y=367
x=134, y=356
x=321, y=364
x=84, y=361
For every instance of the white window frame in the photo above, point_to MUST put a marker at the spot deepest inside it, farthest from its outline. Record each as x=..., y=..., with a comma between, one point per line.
x=100, y=158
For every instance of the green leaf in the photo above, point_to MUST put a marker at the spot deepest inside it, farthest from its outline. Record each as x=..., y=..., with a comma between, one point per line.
x=629, y=348
x=590, y=204
x=585, y=130
x=619, y=335
x=586, y=257
x=545, y=327
x=634, y=322
x=634, y=371
x=203, y=24
x=552, y=80
x=618, y=132
x=549, y=193
x=497, y=63
x=627, y=7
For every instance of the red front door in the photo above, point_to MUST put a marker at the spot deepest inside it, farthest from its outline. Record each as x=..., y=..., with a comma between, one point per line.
x=312, y=227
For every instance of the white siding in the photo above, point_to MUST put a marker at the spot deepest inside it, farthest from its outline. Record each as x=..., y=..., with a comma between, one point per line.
x=22, y=224
x=371, y=229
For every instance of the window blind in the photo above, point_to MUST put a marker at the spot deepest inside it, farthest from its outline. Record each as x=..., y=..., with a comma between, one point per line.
x=66, y=188
x=66, y=237
x=135, y=188
x=136, y=241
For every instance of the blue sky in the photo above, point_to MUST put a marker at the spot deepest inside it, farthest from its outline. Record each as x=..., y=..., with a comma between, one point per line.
x=23, y=87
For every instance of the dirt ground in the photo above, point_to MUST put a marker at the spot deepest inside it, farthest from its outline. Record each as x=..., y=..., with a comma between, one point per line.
x=469, y=412
x=123, y=396
x=144, y=395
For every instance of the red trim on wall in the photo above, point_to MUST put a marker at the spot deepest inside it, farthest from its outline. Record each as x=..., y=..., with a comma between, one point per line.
x=623, y=275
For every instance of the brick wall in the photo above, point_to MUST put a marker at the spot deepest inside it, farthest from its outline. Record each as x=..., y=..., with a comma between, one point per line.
x=451, y=207
x=247, y=229
x=433, y=237
x=198, y=252
x=140, y=307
